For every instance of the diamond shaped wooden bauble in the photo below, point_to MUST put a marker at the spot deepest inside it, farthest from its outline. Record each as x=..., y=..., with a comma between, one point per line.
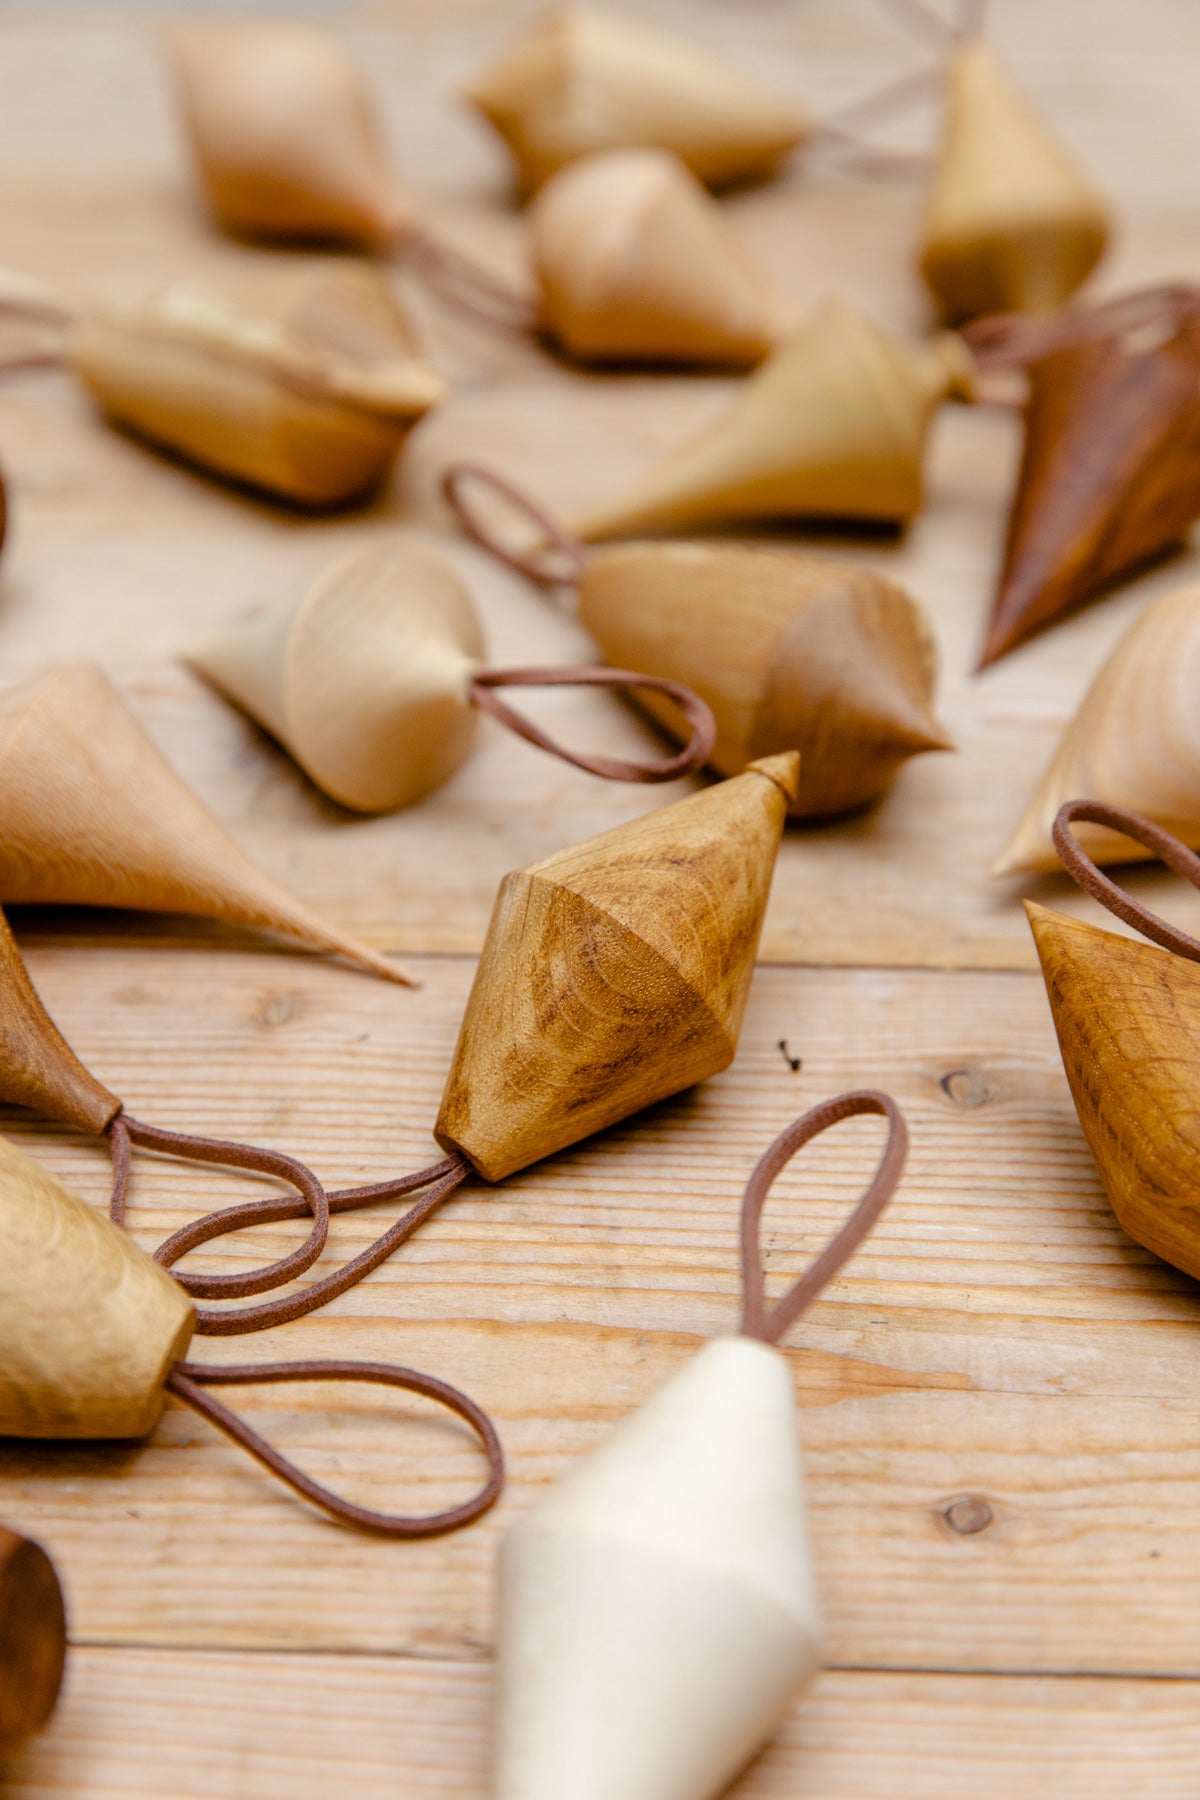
x=658, y=1610
x=1110, y=475
x=1128, y=1021
x=615, y=974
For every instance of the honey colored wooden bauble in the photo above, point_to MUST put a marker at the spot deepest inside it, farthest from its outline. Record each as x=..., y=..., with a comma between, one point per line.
x=33, y=1638
x=832, y=426
x=582, y=79
x=1127, y=1016
x=303, y=385
x=657, y=1609
x=364, y=678
x=284, y=140
x=91, y=814
x=1011, y=225
x=1110, y=475
x=1134, y=743
x=791, y=652
x=636, y=263
x=615, y=973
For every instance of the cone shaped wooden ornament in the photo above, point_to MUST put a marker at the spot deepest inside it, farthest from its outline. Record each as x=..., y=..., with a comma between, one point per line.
x=832, y=426
x=33, y=1638
x=790, y=652
x=92, y=815
x=614, y=974
x=1110, y=475
x=283, y=138
x=1134, y=743
x=658, y=1609
x=636, y=263
x=1011, y=224
x=303, y=385
x=584, y=80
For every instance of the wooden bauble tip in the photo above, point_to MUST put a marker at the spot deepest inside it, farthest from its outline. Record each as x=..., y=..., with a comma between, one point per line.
x=33, y=1638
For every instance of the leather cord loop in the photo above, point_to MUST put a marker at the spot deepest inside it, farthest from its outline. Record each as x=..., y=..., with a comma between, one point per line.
x=1014, y=340
x=1168, y=848
x=694, y=754
x=468, y=287
x=555, y=560
x=770, y=1323
x=189, y=1380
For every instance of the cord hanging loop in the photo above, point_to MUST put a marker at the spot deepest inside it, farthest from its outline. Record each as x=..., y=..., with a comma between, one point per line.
x=693, y=756
x=556, y=559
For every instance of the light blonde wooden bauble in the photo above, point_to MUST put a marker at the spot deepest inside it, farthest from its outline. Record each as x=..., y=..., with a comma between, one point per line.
x=1134, y=743
x=1011, y=224
x=303, y=384
x=832, y=425
x=364, y=677
x=92, y=814
x=282, y=134
x=90, y=1326
x=658, y=1610
x=791, y=652
x=582, y=79
x=636, y=263
x=615, y=973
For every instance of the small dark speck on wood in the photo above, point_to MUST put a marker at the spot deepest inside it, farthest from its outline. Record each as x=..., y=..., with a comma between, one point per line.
x=793, y=1062
x=966, y=1087
x=966, y=1514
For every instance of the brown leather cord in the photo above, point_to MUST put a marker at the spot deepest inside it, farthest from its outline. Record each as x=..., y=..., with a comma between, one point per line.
x=1014, y=340
x=442, y=1179
x=1162, y=844
x=693, y=756
x=556, y=560
x=188, y=1381
x=124, y=1132
x=468, y=287
x=770, y=1323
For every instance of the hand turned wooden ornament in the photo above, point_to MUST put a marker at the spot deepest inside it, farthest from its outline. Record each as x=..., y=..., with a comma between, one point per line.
x=581, y=80
x=1127, y=1016
x=92, y=814
x=831, y=426
x=1133, y=744
x=94, y=1333
x=658, y=1611
x=33, y=1638
x=1110, y=472
x=791, y=652
x=1011, y=224
x=373, y=679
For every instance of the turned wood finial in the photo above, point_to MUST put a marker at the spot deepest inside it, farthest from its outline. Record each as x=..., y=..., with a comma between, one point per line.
x=33, y=1638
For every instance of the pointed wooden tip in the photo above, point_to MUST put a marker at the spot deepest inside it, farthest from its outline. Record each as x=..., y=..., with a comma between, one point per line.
x=783, y=769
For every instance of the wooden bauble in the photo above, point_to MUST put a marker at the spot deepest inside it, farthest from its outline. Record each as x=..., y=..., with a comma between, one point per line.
x=90, y=1326
x=363, y=679
x=791, y=652
x=1011, y=224
x=1110, y=476
x=582, y=80
x=303, y=385
x=637, y=264
x=33, y=1639
x=283, y=135
x=832, y=425
x=658, y=1611
x=38, y=1068
x=614, y=974
x=1127, y=1016
x=1134, y=743
x=91, y=814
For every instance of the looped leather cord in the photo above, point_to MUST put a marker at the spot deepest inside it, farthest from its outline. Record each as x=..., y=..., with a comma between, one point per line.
x=1014, y=340
x=1162, y=844
x=694, y=754
x=124, y=1131
x=442, y=1179
x=556, y=561
x=468, y=287
x=770, y=1323
x=188, y=1380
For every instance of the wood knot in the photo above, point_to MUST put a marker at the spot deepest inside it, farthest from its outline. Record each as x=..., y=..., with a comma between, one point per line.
x=966, y=1514
x=278, y=1009
x=966, y=1087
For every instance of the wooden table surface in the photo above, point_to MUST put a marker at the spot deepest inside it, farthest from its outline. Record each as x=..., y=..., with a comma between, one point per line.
x=997, y=1338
